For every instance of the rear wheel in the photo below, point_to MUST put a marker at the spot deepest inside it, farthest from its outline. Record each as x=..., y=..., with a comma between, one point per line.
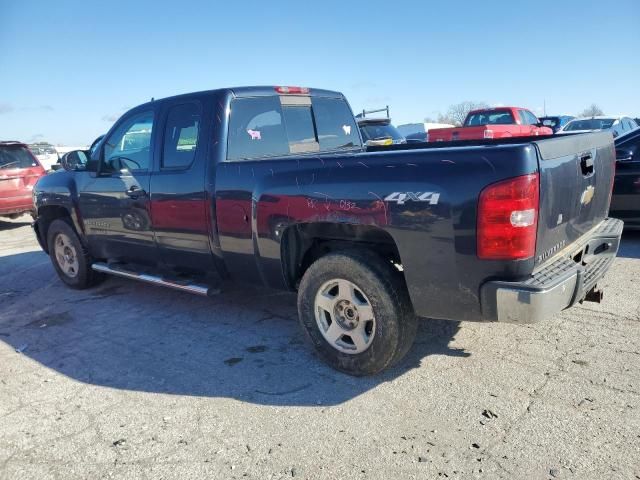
x=355, y=310
x=70, y=258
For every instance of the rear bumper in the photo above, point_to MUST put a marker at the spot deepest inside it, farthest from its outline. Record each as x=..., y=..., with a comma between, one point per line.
x=17, y=204
x=558, y=285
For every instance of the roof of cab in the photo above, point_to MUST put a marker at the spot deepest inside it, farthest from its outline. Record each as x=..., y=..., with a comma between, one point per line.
x=256, y=91
x=271, y=90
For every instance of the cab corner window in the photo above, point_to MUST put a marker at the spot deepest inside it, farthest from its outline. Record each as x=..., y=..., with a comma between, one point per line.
x=181, y=135
x=129, y=146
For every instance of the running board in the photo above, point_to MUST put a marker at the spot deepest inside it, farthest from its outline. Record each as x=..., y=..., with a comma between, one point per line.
x=198, y=289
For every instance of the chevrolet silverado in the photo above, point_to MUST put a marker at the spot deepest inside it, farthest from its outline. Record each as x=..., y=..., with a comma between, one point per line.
x=272, y=185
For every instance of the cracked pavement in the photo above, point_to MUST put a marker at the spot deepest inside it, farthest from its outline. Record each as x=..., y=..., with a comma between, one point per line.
x=128, y=380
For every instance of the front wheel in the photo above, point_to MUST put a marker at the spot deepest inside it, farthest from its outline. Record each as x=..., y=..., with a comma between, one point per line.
x=354, y=309
x=70, y=258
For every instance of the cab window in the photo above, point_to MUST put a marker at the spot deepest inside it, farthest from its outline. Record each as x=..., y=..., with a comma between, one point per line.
x=336, y=126
x=256, y=129
x=129, y=146
x=528, y=118
x=181, y=135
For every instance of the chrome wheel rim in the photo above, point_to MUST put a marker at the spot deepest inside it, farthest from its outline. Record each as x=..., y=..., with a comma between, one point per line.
x=345, y=316
x=66, y=255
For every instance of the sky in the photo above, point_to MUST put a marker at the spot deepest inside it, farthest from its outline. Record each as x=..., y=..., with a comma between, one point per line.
x=69, y=69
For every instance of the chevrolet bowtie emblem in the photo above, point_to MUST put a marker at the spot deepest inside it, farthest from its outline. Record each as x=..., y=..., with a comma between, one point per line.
x=587, y=195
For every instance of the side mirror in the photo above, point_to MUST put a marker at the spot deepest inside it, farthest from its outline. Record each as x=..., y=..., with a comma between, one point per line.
x=74, y=160
x=624, y=155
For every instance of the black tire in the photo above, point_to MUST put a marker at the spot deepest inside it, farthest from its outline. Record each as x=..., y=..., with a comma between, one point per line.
x=85, y=276
x=383, y=287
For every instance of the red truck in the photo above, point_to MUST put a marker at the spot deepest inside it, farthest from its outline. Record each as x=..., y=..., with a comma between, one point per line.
x=502, y=122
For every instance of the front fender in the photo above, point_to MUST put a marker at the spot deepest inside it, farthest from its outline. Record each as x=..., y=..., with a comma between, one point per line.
x=56, y=195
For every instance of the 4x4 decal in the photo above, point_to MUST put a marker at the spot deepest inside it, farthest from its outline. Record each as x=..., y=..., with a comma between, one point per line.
x=401, y=197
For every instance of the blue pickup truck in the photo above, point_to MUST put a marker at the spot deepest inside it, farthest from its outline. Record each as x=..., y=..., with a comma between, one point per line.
x=272, y=185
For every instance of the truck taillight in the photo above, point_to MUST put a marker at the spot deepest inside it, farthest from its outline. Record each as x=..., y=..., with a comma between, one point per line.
x=292, y=90
x=488, y=134
x=508, y=219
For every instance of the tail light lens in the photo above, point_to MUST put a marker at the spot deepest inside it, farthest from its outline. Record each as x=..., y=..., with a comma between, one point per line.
x=508, y=219
x=488, y=134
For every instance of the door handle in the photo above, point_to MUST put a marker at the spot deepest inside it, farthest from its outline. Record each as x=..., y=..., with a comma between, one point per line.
x=135, y=191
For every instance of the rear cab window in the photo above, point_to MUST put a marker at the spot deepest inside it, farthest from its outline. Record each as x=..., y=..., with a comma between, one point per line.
x=15, y=157
x=281, y=125
x=490, y=117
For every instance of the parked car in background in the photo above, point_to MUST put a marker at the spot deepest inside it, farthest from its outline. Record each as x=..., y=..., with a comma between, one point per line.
x=617, y=125
x=625, y=202
x=419, y=132
x=501, y=122
x=45, y=153
x=556, y=122
x=379, y=131
x=19, y=172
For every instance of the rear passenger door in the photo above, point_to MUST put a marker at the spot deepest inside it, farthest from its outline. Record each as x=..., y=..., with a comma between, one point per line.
x=179, y=212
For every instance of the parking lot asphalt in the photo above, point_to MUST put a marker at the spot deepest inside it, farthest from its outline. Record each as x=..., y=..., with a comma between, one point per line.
x=133, y=381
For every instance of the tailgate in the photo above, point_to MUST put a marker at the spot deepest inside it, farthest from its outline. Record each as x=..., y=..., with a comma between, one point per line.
x=576, y=175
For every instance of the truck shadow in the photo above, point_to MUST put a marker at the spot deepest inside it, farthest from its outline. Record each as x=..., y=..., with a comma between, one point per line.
x=6, y=225
x=243, y=344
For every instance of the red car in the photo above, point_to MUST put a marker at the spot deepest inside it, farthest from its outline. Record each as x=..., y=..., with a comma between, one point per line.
x=502, y=122
x=19, y=172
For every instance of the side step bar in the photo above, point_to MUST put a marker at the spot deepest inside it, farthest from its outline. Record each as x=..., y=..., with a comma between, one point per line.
x=198, y=289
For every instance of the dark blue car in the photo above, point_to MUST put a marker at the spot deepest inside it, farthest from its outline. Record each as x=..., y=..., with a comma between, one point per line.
x=555, y=123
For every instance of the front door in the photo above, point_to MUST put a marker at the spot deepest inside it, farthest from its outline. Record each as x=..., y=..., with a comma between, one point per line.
x=114, y=204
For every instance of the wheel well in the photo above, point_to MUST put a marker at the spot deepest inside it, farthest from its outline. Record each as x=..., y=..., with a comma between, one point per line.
x=46, y=215
x=304, y=244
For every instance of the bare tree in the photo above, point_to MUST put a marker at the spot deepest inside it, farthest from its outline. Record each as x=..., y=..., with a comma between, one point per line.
x=440, y=119
x=592, y=111
x=458, y=112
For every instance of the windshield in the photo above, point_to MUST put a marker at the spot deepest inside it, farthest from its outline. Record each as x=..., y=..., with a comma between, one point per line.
x=589, y=124
x=379, y=131
x=16, y=157
x=490, y=117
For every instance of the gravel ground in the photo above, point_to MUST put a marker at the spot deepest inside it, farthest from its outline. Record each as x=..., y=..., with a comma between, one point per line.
x=133, y=381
